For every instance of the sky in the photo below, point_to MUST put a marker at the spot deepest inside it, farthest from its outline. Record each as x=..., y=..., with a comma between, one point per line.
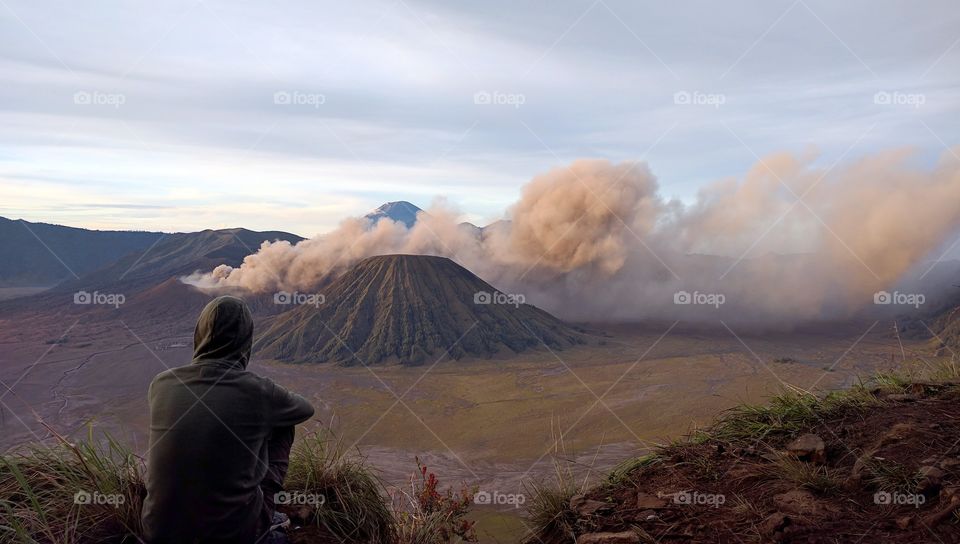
x=291, y=115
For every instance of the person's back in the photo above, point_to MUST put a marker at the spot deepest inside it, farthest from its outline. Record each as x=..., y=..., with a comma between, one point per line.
x=219, y=437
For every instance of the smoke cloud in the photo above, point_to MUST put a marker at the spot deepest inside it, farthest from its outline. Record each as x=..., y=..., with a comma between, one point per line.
x=787, y=243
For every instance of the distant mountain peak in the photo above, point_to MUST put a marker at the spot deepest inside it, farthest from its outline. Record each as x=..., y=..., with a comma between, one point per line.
x=410, y=309
x=402, y=204
x=400, y=211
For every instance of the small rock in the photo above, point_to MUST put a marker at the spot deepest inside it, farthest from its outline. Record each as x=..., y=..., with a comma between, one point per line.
x=950, y=464
x=897, y=433
x=904, y=522
x=649, y=515
x=797, y=501
x=945, y=513
x=585, y=507
x=930, y=483
x=773, y=523
x=626, y=537
x=739, y=472
x=302, y=514
x=646, y=501
x=809, y=447
x=920, y=388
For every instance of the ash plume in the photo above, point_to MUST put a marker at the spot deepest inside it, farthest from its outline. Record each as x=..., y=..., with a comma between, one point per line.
x=787, y=243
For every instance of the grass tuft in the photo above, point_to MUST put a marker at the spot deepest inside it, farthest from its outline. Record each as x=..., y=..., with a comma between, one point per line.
x=816, y=478
x=354, y=509
x=40, y=486
x=71, y=493
x=627, y=470
x=886, y=475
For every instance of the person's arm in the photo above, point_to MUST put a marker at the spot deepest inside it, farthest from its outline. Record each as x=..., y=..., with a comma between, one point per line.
x=288, y=409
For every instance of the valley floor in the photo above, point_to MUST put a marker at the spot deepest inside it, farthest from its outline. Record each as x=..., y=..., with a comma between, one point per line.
x=494, y=424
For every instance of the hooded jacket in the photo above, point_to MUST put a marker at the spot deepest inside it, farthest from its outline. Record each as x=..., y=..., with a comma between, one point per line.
x=209, y=425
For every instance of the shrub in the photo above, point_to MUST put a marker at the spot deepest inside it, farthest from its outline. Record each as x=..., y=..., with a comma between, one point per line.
x=355, y=508
x=71, y=493
x=424, y=515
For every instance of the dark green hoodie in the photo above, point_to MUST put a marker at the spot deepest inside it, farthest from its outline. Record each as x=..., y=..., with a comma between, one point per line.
x=209, y=425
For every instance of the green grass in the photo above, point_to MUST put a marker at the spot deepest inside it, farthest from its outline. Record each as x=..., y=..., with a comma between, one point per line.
x=785, y=415
x=39, y=489
x=893, y=381
x=947, y=371
x=548, y=501
x=354, y=509
x=548, y=508
x=893, y=477
x=39, y=486
x=629, y=469
x=816, y=478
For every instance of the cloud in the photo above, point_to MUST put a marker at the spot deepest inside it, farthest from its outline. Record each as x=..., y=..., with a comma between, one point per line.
x=787, y=243
x=198, y=86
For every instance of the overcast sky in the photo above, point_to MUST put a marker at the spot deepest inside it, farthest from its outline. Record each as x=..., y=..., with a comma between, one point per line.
x=184, y=115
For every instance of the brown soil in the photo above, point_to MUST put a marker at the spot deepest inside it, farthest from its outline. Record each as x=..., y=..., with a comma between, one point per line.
x=302, y=528
x=909, y=431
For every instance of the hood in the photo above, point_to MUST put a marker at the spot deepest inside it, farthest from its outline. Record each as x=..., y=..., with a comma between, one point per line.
x=224, y=333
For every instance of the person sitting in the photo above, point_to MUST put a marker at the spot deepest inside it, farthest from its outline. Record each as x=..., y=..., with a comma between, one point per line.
x=220, y=438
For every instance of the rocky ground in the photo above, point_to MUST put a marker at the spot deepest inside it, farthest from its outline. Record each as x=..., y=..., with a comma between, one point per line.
x=877, y=465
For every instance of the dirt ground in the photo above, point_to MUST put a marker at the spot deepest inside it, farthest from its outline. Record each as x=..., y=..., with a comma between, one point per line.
x=493, y=424
x=864, y=487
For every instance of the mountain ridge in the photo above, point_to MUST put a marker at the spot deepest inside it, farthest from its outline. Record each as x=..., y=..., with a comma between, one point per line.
x=406, y=309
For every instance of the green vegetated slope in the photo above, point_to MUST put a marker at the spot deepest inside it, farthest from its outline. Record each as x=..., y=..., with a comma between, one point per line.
x=877, y=463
